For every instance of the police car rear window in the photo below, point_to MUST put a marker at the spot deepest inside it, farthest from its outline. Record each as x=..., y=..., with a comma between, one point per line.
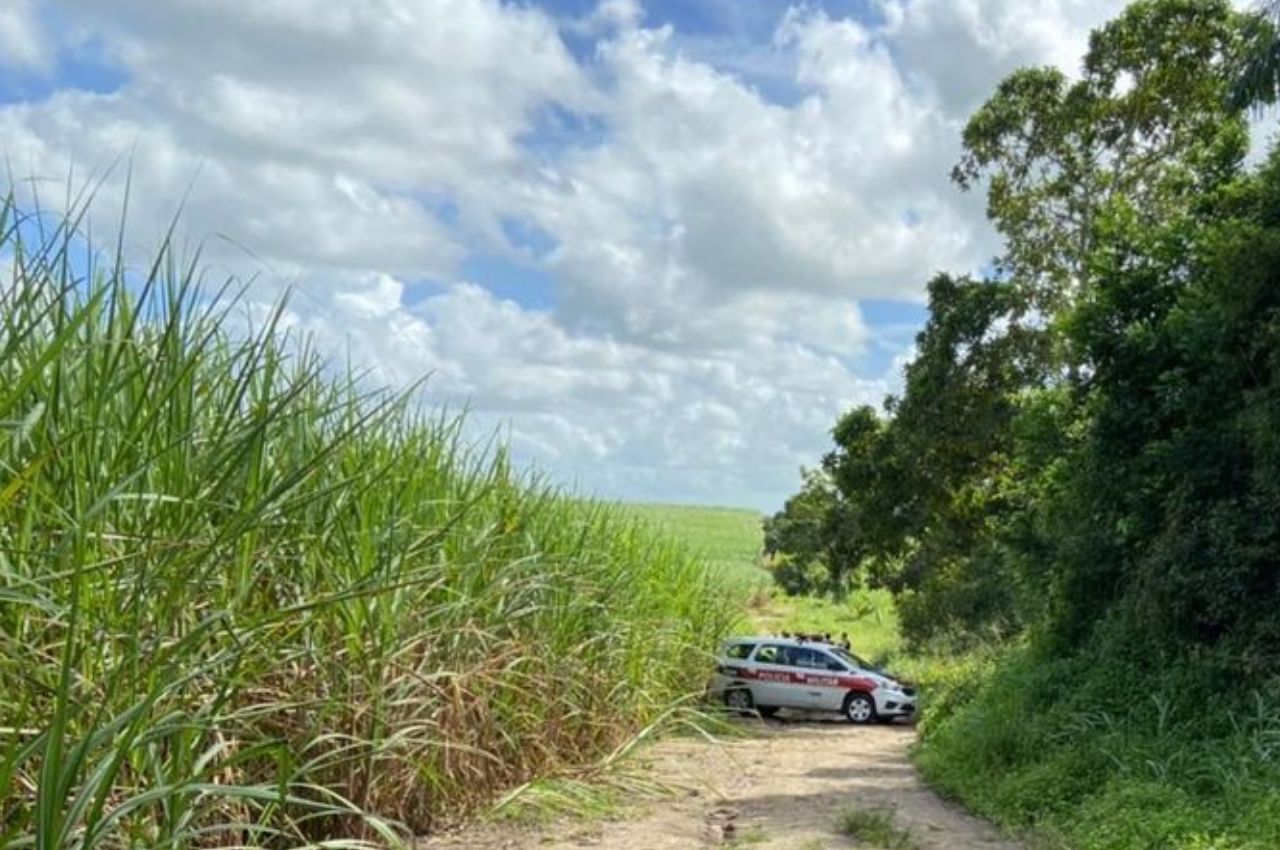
x=739, y=650
x=807, y=658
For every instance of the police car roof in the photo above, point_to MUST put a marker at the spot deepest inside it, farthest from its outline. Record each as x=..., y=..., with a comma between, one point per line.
x=780, y=641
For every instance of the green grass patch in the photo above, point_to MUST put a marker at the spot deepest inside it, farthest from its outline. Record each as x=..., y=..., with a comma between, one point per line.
x=729, y=540
x=873, y=829
x=246, y=601
x=748, y=838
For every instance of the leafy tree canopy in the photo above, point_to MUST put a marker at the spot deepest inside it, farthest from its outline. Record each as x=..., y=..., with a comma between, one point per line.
x=1148, y=121
x=1087, y=437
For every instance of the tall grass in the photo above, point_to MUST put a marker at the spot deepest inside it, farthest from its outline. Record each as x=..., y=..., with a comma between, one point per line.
x=246, y=602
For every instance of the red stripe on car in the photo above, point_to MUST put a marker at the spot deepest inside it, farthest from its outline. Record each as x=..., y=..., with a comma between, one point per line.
x=852, y=683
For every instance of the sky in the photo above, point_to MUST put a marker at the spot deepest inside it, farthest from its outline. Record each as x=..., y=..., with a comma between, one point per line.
x=660, y=246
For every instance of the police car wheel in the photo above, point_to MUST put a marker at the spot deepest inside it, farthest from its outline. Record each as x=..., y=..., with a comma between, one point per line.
x=860, y=708
x=739, y=700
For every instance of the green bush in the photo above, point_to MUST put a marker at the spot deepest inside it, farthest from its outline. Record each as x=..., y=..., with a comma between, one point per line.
x=873, y=828
x=797, y=578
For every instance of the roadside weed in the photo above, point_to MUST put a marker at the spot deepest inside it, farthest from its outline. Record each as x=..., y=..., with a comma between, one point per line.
x=873, y=828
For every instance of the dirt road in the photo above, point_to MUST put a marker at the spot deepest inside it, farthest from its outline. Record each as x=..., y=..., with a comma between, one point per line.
x=779, y=788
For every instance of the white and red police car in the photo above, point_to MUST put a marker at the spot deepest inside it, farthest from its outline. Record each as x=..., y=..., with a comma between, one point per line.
x=764, y=674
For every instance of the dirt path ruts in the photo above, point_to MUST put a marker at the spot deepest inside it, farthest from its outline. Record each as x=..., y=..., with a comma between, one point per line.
x=779, y=788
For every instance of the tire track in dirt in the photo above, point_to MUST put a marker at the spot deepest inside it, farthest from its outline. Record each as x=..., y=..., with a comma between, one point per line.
x=780, y=787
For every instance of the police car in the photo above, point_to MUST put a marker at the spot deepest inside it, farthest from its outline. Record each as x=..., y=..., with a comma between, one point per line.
x=764, y=674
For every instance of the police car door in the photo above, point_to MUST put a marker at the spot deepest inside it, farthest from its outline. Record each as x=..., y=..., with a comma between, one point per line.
x=775, y=682
x=823, y=687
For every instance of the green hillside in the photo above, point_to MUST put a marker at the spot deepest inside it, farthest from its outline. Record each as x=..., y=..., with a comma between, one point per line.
x=730, y=539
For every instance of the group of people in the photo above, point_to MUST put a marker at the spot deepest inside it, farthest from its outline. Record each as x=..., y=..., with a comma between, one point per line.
x=803, y=637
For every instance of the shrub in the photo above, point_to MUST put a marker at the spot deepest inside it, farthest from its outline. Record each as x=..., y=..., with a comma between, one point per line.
x=1102, y=751
x=874, y=828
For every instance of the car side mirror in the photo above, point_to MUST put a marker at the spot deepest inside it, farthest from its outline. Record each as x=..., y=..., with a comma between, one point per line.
x=836, y=666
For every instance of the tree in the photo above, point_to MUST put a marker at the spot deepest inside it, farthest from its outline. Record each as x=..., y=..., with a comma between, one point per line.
x=796, y=539
x=1170, y=518
x=1149, y=121
x=953, y=430
x=915, y=492
x=1025, y=471
x=870, y=517
x=1257, y=74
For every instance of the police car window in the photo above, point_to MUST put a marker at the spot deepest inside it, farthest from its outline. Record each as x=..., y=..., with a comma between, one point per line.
x=770, y=655
x=809, y=658
x=739, y=650
x=851, y=658
x=830, y=663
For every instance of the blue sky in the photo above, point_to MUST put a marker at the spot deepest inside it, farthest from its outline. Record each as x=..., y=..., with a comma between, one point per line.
x=662, y=245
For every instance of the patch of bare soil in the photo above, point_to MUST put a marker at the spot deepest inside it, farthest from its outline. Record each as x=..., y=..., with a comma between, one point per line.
x=780, y=787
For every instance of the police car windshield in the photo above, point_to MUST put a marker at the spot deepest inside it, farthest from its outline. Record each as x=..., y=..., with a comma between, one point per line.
x=849, y=657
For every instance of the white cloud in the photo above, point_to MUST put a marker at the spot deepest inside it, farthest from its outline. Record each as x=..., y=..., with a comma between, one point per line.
x=961, y=48
x=607, y=16
x=22, y=43
x=708, y=245
x=625, y=417
x=707, y=199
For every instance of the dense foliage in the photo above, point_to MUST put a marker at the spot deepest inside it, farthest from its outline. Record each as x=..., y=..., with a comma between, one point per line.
x=1144, y=712
x=245, y=603
x=1086, y=433
x=1084, y=462
x=1108, y=749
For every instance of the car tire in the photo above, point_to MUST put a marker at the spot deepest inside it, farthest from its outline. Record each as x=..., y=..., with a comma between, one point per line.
x=859, y=708
x=739, y=700
x=767, y=711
